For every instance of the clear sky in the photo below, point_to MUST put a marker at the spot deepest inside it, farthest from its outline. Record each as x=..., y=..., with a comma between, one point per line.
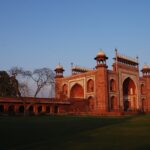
x=42, y=33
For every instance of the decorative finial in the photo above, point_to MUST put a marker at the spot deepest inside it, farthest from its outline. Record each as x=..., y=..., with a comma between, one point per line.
x=116, y=50
x=71, y=64
x=137, y=58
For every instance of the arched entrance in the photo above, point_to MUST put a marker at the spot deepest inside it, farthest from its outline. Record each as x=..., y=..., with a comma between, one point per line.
x=129, y=95
x=77, y=91
x=21, y=109
x=1, y=108
x=30, y=110
x=47, y=109
x=56, y=109
x=39, y=109
x=11, y=109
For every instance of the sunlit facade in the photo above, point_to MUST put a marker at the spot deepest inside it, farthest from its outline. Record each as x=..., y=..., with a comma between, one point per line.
x=98, y=91
x=107, y=91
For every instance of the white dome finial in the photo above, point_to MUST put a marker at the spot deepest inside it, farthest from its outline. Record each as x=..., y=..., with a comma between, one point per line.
x=145, y=66
x=101, y=53
x=59, y=66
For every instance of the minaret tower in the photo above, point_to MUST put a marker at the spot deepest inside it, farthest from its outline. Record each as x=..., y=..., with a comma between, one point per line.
x=146, y=71
x=58, y=80
x=101, y=82
x=101, y=59
x=59, y=71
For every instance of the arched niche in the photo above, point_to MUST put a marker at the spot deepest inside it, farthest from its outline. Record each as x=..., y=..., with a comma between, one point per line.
x=112, y=85
x=90, y=86
x=77, y=91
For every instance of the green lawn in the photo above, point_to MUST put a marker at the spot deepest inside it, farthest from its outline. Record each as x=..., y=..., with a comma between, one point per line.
x=75, y=133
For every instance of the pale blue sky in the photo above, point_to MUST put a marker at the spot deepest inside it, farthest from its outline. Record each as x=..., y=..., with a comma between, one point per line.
x=42, y=33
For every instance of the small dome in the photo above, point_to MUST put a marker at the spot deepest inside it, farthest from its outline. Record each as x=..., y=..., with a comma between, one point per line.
x=145, y=66
x=59, y=66
x=101, y=53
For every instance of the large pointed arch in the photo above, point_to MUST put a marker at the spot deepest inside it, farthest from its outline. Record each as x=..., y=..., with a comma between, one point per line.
x=129, y=95
x=77, y=91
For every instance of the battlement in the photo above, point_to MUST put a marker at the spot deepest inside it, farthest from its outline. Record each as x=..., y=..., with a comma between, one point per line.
x=79, y=69
x=126, y=60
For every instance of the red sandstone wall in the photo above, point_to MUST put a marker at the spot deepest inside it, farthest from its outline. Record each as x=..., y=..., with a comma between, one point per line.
x=145, y=95
x=102, y=89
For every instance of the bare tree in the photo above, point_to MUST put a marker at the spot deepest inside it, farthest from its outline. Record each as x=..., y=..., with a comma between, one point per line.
x=19, y=74
x=42, y=77
x=24, y=90
x=14, y=71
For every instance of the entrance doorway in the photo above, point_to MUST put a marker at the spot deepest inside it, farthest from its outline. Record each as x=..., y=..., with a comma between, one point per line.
x=129, y=95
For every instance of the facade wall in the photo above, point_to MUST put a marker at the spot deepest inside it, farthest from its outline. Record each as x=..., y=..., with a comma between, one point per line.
x=145, y=93
x=117, y=90
x=99, y=91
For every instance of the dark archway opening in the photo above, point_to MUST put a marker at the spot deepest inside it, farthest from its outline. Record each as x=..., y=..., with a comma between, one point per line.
x=56, y=109
x=39, y=109
x=129, y=95
x=11, y=110
x=47, y=109
x=21, y=109
x=1, y=108
x=31, y=108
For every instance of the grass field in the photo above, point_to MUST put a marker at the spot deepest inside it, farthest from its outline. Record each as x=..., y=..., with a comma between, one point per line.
x=75, y=133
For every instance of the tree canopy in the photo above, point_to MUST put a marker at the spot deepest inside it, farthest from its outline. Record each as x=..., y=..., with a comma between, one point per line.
x=41, y=78
x=8, y=85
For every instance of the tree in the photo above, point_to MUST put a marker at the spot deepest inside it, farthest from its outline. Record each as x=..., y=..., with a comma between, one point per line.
x=15, y=71
x=24, y=90
x=19, y=73
x=15, y=86
x=8, y=85
x=42, y=77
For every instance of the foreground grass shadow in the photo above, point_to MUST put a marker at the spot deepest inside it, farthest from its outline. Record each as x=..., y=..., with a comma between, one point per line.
x=53, y=132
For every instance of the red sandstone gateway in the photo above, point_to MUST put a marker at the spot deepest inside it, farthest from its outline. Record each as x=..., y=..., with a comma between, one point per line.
x=98, y=91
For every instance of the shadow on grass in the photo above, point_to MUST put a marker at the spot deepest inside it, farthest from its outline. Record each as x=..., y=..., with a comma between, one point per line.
x=48, y=132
